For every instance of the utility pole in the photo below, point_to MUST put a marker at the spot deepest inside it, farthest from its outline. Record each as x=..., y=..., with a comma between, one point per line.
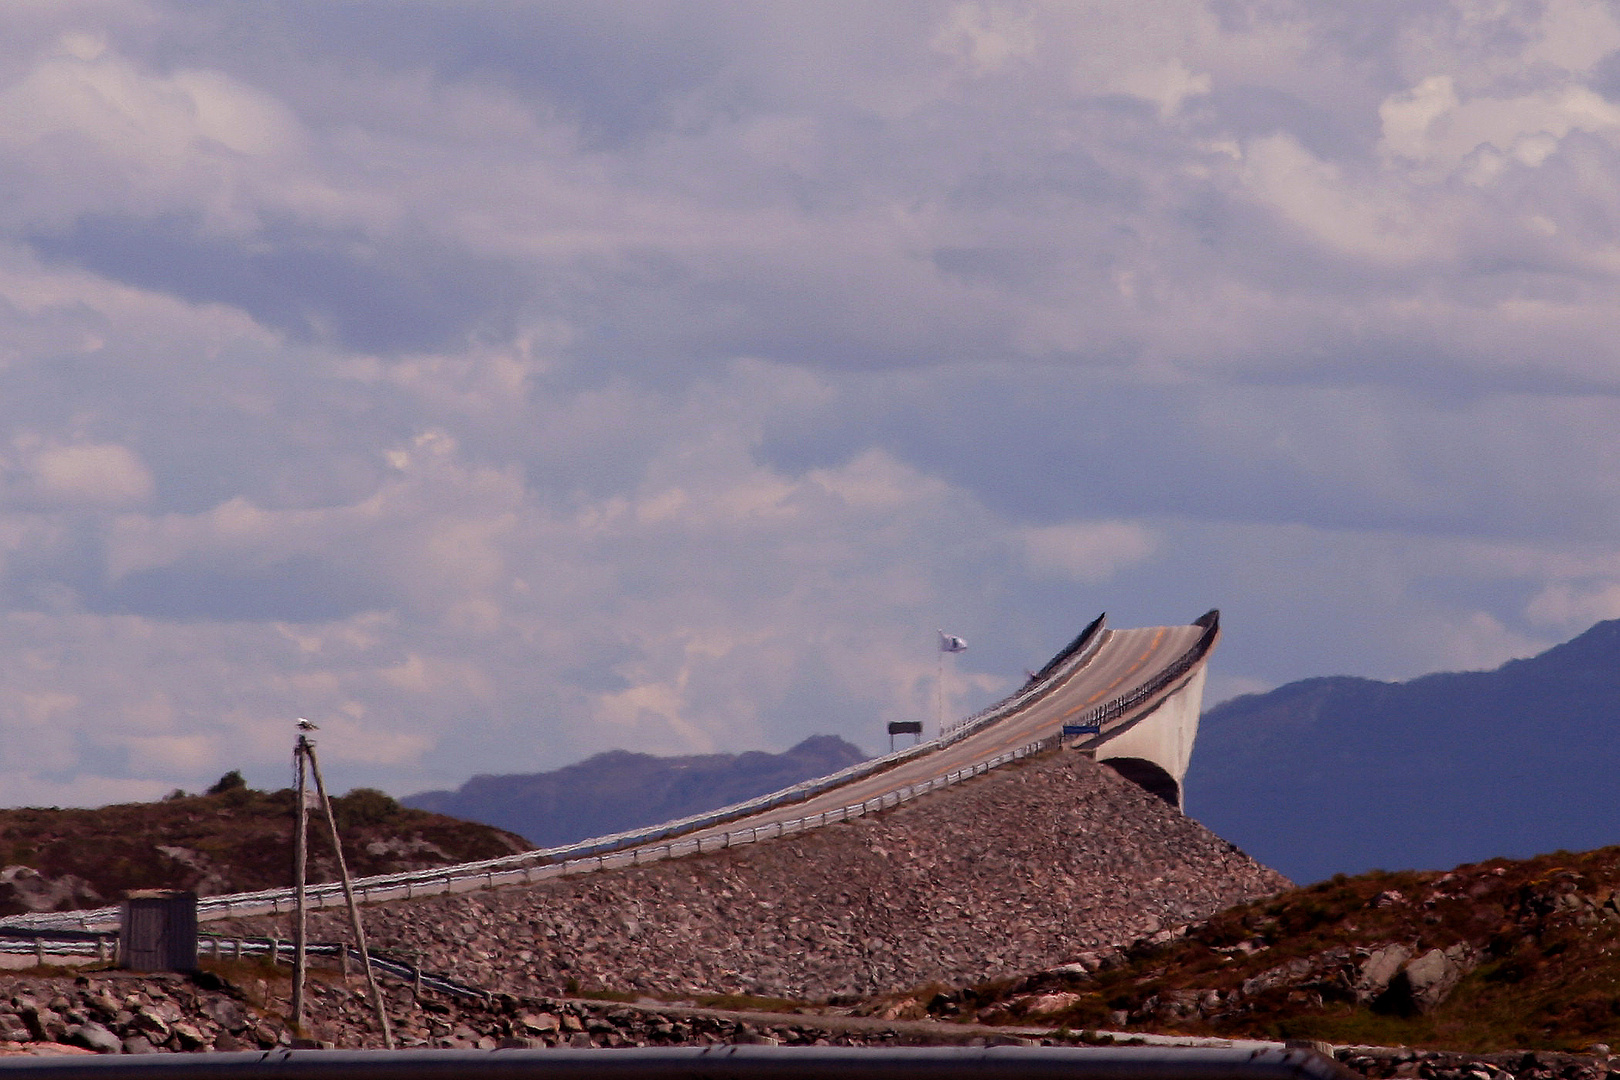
x=348, y=895
x=300, y=876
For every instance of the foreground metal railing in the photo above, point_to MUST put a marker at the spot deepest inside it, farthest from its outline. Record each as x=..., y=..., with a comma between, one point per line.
x=709, y=1063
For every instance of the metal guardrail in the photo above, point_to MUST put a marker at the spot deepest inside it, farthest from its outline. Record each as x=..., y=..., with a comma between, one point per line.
x=711, y=1062
x=1125, y=703
x=636, y=847
x=455, y=879
x=42, y=944
x=1068, y=660
x=282, y=951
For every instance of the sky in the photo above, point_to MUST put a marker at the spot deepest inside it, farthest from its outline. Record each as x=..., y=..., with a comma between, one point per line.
x=499, y=383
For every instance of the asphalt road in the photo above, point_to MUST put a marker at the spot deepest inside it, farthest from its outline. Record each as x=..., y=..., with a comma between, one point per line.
x=1124, y=660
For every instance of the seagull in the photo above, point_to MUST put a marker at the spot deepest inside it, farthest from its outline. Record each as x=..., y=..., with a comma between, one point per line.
x=305, y=725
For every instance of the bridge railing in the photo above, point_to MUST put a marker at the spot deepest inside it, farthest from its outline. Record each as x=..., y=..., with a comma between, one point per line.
x=1043, y=682
x=1125, y=703
x=457, y=879
x=641, y=846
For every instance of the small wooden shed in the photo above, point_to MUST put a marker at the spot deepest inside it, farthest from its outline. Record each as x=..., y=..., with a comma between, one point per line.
x=157, y=931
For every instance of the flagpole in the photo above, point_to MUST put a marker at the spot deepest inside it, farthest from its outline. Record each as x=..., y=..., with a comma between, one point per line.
x=948, y=643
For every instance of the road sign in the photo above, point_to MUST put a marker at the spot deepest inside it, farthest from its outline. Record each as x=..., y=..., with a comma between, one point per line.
x=1072, y=731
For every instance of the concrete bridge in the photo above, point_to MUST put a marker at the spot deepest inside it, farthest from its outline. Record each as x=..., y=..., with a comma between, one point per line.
x=1129, y=698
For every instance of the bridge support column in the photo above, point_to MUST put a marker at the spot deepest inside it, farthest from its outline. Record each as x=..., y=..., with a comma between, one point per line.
x=1154, y=749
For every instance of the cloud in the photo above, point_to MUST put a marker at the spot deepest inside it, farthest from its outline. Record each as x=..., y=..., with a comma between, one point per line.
x=1089, y=552
x=502, y=384
x=986, y=37
x=85, y=474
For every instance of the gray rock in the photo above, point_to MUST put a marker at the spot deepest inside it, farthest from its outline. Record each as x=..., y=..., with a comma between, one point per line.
x=149, y=1023
x=226, y=1013
x=1281, y=975
x=12, y=1028
x=1432, y=976
x=28, y=888
x=93, y=1036
x=539, y=1023
x=1378, y=969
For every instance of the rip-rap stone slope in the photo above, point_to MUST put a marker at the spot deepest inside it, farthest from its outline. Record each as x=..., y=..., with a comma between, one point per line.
x=1017, y=870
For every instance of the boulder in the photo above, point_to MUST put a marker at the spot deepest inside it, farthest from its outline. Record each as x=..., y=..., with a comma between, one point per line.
x=1378, y=969
x=92, y=1036
x=22, y=888
x=12, y=1029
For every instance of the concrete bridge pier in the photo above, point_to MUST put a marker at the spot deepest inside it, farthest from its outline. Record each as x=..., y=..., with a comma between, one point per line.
x=1153, y=748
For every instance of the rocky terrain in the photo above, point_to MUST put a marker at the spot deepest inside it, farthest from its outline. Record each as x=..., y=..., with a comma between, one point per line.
x=233, y=839
x=1513, y=967
x=1493, y=956
x=621, y=790
x=1017, y=870
x=244, y=1008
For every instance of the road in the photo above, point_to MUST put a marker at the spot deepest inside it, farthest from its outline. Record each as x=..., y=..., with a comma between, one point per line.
x=1123, y=660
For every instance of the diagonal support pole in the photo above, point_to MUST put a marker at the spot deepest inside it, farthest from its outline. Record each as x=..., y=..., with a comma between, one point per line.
x=348, y=895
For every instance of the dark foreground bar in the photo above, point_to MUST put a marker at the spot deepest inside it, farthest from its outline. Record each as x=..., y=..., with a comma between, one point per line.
x=702, y=1063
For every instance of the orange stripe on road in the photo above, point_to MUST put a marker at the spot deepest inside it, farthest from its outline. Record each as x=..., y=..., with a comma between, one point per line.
x=1152, y=648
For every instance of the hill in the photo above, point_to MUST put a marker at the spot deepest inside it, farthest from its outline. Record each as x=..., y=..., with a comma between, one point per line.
x=1021, y=867
x=621, y=790
x=233, y=840
x=1493, y=956
x=1441, y=770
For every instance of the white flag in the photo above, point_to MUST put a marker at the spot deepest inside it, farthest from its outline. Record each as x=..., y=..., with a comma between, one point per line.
x=951, y=643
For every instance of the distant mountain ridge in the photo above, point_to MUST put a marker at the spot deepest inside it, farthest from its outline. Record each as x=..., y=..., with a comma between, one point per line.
x=1346, y=774
x=619, y=790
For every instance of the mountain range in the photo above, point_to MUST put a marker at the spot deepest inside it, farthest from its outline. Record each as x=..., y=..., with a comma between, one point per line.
x=1318, y=777
x=620, y=789
x=1336, y=775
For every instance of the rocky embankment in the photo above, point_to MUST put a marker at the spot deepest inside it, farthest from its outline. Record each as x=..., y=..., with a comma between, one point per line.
x=120, y=1013
x=1495, y=956
x=1021, y=869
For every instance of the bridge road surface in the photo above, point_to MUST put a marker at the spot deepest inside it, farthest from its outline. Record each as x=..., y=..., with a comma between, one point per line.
x=1124, y=660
